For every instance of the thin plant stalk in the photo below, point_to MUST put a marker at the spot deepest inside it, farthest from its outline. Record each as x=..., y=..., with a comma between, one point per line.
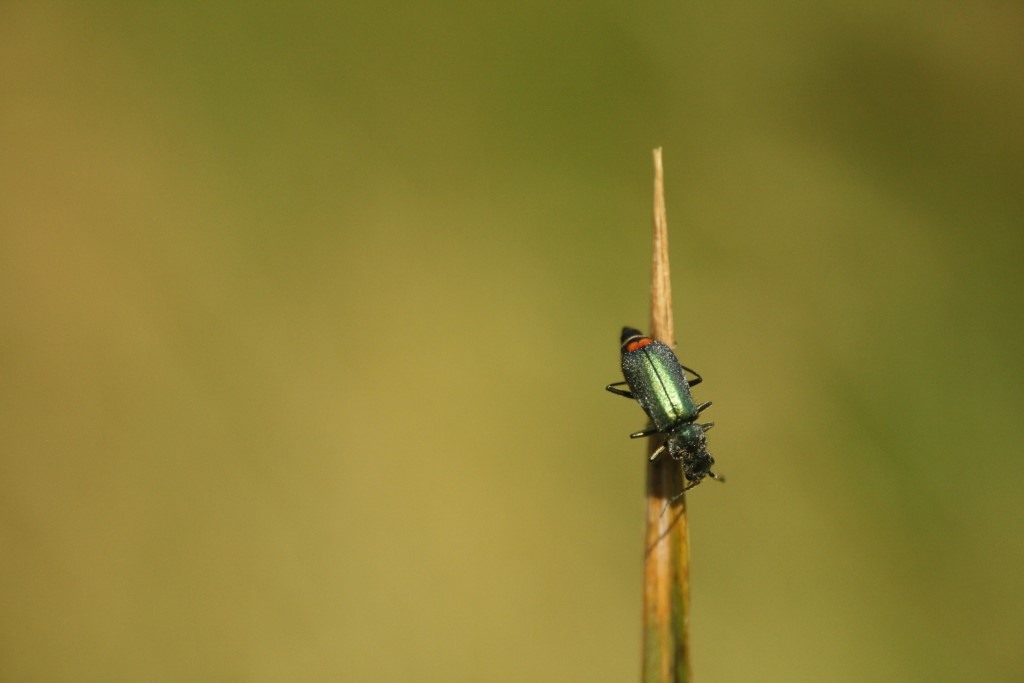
x=666, y=653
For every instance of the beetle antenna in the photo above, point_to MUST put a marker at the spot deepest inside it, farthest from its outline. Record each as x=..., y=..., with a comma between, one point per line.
x=680, y=494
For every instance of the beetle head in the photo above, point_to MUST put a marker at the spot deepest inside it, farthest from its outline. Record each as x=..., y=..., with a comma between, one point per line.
x=689, y=445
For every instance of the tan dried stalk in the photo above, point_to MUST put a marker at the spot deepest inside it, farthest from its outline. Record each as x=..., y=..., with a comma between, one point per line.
x=666, y=656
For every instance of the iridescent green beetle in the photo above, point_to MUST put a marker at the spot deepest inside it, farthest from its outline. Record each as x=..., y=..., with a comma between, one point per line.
x=657, y=381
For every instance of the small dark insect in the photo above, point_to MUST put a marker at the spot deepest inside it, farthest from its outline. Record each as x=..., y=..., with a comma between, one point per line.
x=657, y=381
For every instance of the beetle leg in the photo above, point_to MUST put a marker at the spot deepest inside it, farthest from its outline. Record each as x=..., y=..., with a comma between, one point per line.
x=650, y=431
x=656, y=453
x=619, y=392
x=702, y=407
x=693, y=382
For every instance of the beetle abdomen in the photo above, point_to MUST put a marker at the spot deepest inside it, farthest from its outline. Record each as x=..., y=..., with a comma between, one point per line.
x=656, y=379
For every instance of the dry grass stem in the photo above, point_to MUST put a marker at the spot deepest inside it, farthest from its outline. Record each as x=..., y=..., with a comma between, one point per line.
x=667, y=558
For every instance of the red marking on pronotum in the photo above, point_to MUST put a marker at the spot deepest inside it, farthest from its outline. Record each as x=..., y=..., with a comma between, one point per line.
x=638, y=344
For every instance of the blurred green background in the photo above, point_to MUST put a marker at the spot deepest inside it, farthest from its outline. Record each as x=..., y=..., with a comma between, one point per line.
x=306, y=312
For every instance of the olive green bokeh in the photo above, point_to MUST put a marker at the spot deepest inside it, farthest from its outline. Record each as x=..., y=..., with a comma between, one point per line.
x=306, y=312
